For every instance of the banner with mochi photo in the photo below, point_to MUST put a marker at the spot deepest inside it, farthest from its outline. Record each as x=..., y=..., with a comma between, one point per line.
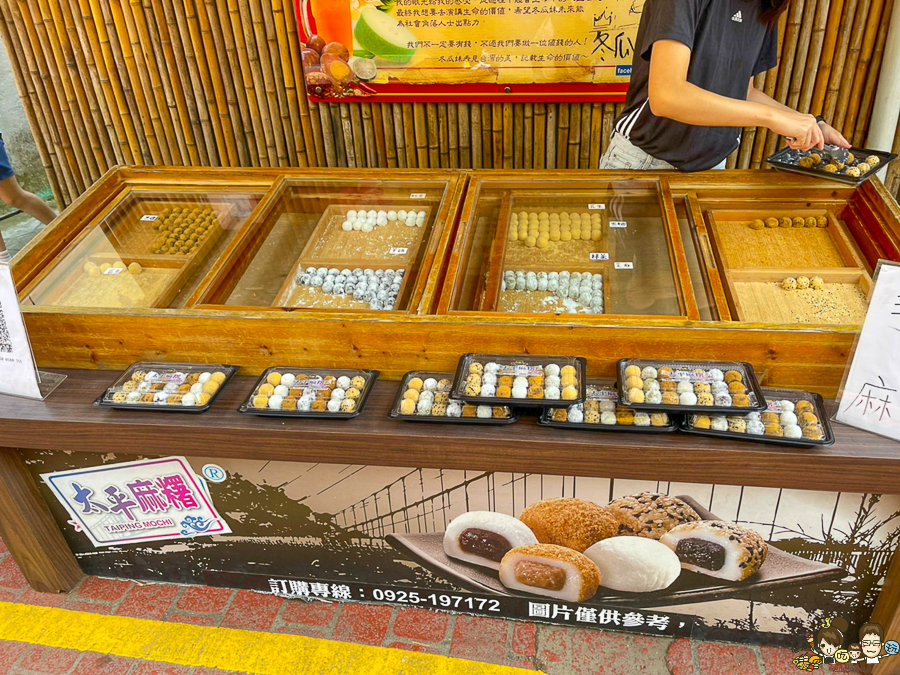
x=643, y=556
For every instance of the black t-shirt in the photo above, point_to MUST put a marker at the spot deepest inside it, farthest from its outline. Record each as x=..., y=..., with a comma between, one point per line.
x=730, y=43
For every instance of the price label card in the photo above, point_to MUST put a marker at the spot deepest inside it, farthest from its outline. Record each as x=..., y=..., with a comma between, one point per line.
x=418, y=195
x=621, y=224
x=112, y=271
x=596, y=207
x=623, y=265
x=149, y=218
x=599, y=256
x=398, y=251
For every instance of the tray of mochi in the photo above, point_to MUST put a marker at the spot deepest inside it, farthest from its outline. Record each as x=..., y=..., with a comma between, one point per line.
x=645, y=549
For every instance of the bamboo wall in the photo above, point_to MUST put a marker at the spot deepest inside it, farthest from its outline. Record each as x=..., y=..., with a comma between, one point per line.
x=218, y=82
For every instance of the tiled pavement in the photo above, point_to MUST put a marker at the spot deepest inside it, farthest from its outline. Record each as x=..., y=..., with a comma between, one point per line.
x=553, y=650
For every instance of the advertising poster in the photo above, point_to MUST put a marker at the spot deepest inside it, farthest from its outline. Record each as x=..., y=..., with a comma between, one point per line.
x=367, y=533
x=476, y=50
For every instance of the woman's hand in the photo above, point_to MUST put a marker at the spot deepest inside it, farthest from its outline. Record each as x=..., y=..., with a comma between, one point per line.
x=801, y=131
x=832, y=136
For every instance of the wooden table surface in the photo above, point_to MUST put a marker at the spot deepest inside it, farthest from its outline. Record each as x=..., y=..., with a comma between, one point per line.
x=68, y=420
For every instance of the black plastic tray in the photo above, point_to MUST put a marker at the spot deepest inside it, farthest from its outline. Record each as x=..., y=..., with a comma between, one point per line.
x=779, y=161
x=750, y=380
x=793, y=395
x=546, y=418
x=370, y=375
x=166, y=407
x=580, y=364
x=423, y=374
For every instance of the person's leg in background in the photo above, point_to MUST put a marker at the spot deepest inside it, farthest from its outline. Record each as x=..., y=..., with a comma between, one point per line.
x=16, y=197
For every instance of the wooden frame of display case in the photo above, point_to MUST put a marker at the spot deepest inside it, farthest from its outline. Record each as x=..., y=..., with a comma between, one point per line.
x=812, y=356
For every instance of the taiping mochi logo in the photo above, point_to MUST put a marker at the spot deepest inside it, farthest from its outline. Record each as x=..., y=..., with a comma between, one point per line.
x=623, y=71
x=830, y=644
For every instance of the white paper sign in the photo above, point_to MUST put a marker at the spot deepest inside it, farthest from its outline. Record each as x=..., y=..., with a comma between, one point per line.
x=18, y=375
x=131, y=502
x=623, y=265
x=149, y=218
x=870, y=398
x=599, y=256
x=618, y=224
x=597, y=207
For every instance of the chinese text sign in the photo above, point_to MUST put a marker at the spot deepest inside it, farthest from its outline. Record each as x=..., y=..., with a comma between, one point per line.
x=145, y=500
x=18, y=375
x=870, y=398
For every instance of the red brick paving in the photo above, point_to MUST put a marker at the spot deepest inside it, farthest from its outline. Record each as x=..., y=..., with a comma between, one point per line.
x=523, y=639
x=680, y=658
x=10, y=576
x=480, y=639
x=552, y=645
x=204, y=599
x=10, y=653
x=103, y=590
x=421, y=624
x=777, y=661
x=727, y=658
x=50, y=660
x=102, y=664
x=92, y=607
x=363, y=624
x=310, y=613
x=197, y=620
x=252, y=611
x=150, y=601
x=412, y=647
x=157, y=668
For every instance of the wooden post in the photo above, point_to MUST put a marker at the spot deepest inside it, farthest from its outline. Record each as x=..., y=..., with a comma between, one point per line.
x=887, y=613
x=29, y=531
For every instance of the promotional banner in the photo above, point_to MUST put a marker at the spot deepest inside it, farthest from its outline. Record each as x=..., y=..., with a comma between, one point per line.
x=476, y=50
x=779, y=563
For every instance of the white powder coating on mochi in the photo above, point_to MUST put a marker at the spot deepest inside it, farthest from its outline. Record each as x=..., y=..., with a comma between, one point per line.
x=634, y=564
x=512, y=529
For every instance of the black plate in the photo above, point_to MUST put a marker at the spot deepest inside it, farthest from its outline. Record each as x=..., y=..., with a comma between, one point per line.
x=546, y=418
x=396, y=415
x=780, y=570
x=752, y=382
x=778, y=160
x=577, y=361
x=372, y=375
x=778, y=394
x=155, y=365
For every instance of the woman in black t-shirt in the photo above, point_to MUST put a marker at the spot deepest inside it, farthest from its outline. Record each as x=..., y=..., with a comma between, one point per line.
x=692, y=90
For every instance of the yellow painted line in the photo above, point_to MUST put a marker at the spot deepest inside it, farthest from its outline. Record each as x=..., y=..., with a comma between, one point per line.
x=224, y=648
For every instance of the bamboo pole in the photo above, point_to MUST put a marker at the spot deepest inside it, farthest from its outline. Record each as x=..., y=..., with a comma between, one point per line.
x=552, y=112
x=487, y=142
x=44, y=81
x=813, y=55
x=421, y=135
x=863, y=65
x=528, y=135
x=84, y=65
x=28, y=95
x=477, y=151
x=368, y=130
x=277, y=111
x=540, y=135
x=799, y=71
x=180, y=78
x=871, y=84
x=518, y=134
x=465, y=137
x=310, y=123
x=840, y=57
x=399, y=134
x=453, y=134
x=574, y=149
x=443, y=135
x=385, y=112
x=333, y=134
x=562, y=134
x=851, y=62
x=823, y=73
x=586, y=117
x=409, y=135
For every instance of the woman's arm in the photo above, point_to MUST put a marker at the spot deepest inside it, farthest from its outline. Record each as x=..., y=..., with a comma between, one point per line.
x=829, y=133
x=672, y=96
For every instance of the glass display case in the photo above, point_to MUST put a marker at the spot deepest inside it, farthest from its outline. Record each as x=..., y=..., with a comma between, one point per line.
x=336, y=245
x=568, y=248
x=148, y=248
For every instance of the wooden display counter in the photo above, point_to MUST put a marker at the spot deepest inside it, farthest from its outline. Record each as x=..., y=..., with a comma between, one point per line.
x=701, y=280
